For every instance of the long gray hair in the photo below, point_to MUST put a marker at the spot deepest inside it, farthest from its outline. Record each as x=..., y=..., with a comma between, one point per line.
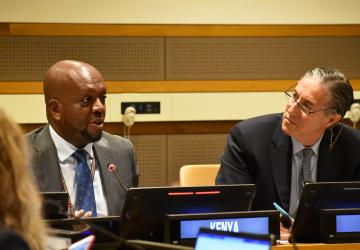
x=340, y=89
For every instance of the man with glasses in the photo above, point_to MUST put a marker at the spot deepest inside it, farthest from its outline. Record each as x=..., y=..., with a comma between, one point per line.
x=270, y=150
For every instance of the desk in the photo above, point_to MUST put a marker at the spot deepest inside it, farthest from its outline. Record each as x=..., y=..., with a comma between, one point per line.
x=318, y=246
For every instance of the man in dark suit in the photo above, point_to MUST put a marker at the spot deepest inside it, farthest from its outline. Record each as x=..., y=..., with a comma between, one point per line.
x=267, y=150
x=75, y=95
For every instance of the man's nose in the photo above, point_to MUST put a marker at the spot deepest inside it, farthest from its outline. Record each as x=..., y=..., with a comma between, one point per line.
x=293, y=106
x=99, y=106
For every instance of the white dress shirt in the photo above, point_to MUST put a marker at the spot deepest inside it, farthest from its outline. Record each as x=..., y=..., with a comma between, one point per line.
x=68, y=167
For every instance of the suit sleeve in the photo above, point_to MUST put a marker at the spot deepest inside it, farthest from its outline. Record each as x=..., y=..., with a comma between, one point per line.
x=236, y=160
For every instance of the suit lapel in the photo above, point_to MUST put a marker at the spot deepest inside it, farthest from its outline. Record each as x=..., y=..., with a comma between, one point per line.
x=47, y=166
x=280, y=162
x=329, y=161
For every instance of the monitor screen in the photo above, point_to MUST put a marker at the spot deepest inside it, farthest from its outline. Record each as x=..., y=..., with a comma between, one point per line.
x=318, y=196
x=183, y=229
x=214, y=240
x=145, y=208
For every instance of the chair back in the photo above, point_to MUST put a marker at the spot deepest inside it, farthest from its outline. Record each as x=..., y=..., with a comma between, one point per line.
x=198, y=175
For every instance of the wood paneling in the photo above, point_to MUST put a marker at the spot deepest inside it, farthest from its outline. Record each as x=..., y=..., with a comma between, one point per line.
x=170, y=86
x=156, y=128
x=168, y=128
x=4, y=28
x=167, y=86
x=317, y=246
x=56, y=29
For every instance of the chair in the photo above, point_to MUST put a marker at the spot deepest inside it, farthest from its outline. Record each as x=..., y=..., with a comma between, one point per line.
x=198, y=175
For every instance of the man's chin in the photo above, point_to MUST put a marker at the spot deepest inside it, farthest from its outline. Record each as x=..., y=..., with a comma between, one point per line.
x=285, y=128
x=92, y=137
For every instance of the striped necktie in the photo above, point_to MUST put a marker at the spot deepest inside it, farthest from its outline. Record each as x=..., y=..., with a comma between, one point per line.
x=305, y=172
x=85, y=197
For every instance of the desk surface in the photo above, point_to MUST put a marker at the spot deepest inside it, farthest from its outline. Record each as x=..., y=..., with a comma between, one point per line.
x=319, y=246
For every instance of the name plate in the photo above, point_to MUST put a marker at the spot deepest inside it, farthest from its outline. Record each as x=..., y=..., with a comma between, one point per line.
x=340, y=225
x=183, y=228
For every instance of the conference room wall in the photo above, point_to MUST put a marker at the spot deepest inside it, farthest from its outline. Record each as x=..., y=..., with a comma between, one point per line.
x=160, y=156
x=174, y=106
x=182, y=11
x=30, y=108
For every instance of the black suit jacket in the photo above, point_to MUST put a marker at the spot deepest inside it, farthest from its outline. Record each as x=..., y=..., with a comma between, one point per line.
x=10, y=240
x=109, y=149
x=257, y=151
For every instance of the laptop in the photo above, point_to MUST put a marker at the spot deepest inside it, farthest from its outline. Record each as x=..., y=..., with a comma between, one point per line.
x=214, y=240
x=55, y=205
x=145, y=208
x=84, y=244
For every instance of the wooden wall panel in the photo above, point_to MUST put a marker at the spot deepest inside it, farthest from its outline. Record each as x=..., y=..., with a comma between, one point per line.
x=118, y=58
x=151, y=153
x=258, y=57
x=192, y=149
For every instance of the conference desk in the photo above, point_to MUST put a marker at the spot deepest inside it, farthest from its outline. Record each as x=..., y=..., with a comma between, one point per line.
x=318, y=246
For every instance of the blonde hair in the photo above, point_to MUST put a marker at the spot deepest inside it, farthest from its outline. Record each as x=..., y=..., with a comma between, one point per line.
x=20, y=208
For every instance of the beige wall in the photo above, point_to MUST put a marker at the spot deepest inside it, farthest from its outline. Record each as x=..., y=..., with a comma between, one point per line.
x=182, y=11
x=174, y=107
x=196, y=106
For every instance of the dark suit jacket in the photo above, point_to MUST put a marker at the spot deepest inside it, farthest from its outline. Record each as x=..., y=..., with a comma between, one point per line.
x=10, y=240
x=109, y=149
x=259, y=152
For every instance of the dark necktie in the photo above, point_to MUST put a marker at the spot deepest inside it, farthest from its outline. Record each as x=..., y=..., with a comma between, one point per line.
x=85, y=197
x=305, y=172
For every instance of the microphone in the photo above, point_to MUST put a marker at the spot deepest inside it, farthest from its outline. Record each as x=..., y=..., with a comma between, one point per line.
x=112, y=169
x=129, y=116
x=129, y=120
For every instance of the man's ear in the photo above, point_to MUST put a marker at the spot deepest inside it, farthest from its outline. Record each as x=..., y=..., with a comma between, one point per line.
x=55, y=108
x=333, y=119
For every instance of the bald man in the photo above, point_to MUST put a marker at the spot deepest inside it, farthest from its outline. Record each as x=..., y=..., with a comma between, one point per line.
x=75, y=95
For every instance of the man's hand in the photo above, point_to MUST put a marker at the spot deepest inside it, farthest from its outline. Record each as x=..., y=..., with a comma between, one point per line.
x=82, y=214
x=285, y=230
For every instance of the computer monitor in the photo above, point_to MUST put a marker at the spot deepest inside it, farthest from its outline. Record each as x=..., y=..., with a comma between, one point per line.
x=317, y=196
x=146, y=207
x=214, y=240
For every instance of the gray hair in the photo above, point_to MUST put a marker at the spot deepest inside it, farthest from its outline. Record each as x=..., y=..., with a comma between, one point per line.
x=339, y=87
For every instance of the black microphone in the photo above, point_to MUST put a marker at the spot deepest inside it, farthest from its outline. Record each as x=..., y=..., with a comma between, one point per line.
x=112, y=169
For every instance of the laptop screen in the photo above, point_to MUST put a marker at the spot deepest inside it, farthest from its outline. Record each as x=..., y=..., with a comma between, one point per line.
x=213, y=240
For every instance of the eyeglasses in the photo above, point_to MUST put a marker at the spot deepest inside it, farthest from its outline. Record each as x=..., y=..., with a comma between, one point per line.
x=292, y=97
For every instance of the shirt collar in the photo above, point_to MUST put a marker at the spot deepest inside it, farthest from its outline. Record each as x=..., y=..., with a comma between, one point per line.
x=297, y=146
x=64, y=148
